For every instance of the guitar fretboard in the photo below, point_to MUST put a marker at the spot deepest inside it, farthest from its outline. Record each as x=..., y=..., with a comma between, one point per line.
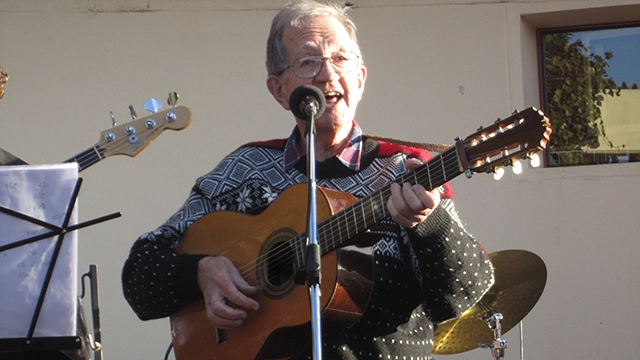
x=88, y=157
x=339, y=228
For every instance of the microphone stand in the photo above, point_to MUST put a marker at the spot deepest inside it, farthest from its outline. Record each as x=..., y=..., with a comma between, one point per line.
x=307, y=102
x=312, y=263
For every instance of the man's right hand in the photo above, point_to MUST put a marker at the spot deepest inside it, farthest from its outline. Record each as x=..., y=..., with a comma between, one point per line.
x=222, y=286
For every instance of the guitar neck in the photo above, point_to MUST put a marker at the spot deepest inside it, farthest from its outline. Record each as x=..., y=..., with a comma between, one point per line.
x=88, y=157
x=338, y=229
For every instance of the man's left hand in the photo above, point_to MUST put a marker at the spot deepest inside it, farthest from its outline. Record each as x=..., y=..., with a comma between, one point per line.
x=410, y=204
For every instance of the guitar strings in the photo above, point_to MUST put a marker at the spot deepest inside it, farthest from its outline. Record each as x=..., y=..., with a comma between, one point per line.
x=285, y=256
x=449, y=161
x=340, y=222
x=89, y=156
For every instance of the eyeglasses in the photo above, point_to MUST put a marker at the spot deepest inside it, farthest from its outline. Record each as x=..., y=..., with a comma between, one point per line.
x=309, y=66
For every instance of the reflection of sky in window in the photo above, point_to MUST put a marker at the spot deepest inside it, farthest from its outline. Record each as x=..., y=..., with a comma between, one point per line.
x=624, y=43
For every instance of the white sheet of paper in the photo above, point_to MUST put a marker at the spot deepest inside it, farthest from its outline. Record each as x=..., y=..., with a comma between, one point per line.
x=42, y=192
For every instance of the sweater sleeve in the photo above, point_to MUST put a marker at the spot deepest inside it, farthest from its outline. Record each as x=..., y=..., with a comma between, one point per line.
x=156, y=280
x=454, y=269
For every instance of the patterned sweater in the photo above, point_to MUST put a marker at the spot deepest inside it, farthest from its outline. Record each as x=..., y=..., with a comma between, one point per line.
x=422, y=276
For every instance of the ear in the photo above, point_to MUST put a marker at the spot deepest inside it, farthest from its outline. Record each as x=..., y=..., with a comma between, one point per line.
x=362, y=77
x=277, y=90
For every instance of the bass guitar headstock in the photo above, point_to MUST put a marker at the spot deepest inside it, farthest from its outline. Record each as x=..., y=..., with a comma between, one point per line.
x=131, y=138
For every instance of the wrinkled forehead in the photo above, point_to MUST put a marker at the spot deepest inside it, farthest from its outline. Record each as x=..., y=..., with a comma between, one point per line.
x=317, y=34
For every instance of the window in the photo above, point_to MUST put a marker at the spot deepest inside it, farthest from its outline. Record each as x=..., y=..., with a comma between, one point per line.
x=591, y=93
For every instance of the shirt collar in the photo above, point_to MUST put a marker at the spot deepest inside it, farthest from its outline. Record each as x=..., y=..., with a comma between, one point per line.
x=349, y=156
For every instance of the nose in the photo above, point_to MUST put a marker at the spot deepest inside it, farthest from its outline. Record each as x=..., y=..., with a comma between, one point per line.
x=327, y=72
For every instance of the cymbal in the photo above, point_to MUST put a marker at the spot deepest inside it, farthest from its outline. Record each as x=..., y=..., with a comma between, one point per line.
x=520, y=277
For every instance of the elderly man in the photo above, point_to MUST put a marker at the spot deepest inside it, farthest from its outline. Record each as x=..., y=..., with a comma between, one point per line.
x=426, y=267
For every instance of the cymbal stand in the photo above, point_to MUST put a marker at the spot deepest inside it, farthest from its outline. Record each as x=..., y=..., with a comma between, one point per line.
x=498, y=345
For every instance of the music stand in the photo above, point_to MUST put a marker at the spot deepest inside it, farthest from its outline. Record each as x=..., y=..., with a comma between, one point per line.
x=37, y=346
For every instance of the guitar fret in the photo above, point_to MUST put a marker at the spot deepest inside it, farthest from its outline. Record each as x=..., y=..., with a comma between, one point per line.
x=332, y=226
x=373, y=209
x=381, y=205
x=338, y=218
x=444, y=173
x=363, y=213
x=320, y=235
x=346, y=224
x=95, y=148
x=327, y=231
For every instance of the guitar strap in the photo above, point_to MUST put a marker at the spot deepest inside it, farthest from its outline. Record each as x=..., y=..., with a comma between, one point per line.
x=437, y=148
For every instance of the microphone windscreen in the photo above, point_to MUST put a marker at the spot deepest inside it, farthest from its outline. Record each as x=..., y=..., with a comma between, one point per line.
x=302, y=96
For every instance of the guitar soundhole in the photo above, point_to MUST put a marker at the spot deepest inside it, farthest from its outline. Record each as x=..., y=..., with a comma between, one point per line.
x=275, y=267
x=280, y=268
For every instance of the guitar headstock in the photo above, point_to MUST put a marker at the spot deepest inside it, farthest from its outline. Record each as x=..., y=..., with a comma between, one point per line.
x=517, y=137
x=131, y=138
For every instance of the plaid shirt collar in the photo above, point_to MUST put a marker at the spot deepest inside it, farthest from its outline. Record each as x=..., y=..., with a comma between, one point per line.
x=349, y=156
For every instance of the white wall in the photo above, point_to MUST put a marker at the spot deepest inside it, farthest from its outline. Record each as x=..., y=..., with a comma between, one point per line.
x=437, y=70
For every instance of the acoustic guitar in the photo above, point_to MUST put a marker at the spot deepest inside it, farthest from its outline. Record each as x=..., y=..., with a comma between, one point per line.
x=268, y=249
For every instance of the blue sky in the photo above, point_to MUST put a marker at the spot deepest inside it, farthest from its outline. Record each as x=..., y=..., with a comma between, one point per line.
x=624, y=43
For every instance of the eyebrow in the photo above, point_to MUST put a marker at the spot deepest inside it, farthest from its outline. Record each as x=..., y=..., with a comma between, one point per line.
x=308, y=45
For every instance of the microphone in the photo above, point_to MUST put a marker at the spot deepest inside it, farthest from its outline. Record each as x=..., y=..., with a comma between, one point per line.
x=307, y=100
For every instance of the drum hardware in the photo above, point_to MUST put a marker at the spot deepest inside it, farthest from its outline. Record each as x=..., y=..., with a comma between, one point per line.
x=498, y=345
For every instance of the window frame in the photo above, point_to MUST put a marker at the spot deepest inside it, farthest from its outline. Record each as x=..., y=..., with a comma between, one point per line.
x=544, y=101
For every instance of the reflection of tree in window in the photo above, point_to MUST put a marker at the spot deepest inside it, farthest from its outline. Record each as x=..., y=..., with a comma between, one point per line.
x=576, y=83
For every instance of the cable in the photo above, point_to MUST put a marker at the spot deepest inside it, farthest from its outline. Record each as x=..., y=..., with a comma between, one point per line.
x=166, y=355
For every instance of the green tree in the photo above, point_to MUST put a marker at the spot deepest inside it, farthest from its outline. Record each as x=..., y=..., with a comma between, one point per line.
x=576, y=84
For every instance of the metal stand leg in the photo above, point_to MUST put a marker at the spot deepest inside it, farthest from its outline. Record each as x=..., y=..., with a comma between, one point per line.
x=93, y=340
x=498, y=346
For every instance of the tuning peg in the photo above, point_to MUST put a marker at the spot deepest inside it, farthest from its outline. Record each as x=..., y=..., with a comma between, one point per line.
x=172, y=100
x=498, y=173
x=153, y=105
x=113, y=119
x=516, y=167
x=132, y=112
x=534, y=160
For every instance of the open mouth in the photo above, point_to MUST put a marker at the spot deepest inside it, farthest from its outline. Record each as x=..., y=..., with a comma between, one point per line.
x=332, y=96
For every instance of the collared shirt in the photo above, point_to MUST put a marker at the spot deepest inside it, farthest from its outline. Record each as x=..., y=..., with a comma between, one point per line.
x=349, y=156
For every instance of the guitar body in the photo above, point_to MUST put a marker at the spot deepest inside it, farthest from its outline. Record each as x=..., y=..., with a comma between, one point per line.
x=255, y=244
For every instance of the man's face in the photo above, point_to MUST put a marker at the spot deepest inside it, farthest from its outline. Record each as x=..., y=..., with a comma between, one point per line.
x=322, y=36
